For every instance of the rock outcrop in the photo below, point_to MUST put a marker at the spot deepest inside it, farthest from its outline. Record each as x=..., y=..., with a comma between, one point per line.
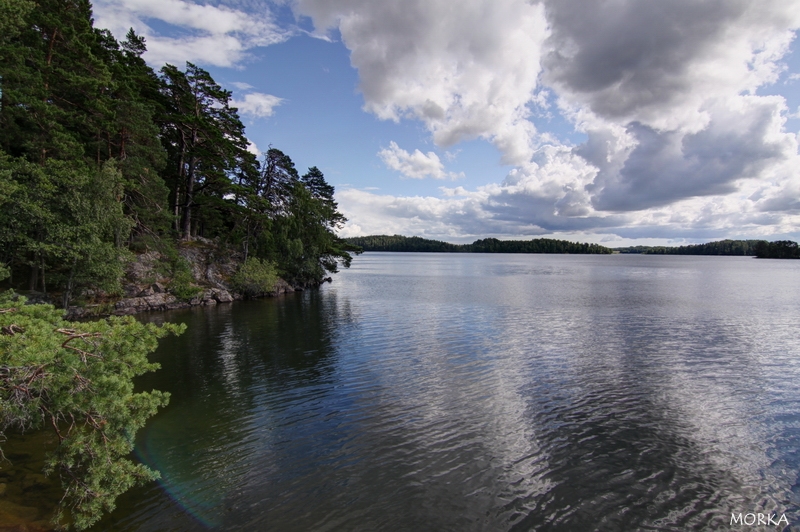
x=146, y=289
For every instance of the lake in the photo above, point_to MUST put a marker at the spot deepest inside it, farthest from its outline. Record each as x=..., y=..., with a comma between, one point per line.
x=471, y=392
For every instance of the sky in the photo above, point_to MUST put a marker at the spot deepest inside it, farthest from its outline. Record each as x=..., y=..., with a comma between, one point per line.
x=619, y=122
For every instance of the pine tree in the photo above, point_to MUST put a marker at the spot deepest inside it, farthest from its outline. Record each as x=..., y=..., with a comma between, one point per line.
x=206, y=145
x=131, y=135
x=304, y=234
x=77, y=380
x=51, y=80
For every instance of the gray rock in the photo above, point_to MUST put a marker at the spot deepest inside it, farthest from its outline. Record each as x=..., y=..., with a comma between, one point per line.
x=124, y=303
x=38, y=298
x=222, y=296
x=146, y=292
x=211, y=269
x=142, y=267
x=155, y=301
x=131, y=290
x=207, y=295
x=131, y=305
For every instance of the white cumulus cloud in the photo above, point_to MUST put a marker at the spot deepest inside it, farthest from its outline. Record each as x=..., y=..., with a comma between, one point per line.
x=679, y=139
x=416, y=165
x=257, y=104
x=216, y=35
x=466, y=70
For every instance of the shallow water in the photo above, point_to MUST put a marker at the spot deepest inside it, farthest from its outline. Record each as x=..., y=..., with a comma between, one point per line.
x=484, y=392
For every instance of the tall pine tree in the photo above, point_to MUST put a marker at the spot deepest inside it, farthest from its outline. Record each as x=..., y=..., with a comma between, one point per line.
x=206, y=144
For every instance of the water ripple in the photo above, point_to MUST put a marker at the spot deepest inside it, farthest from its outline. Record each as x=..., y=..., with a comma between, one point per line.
x=441, y=392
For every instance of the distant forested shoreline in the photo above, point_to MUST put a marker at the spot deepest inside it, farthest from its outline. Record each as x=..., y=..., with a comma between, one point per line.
x=752, y=248
x=486, y=245
x=780, y=249
x=721, y=247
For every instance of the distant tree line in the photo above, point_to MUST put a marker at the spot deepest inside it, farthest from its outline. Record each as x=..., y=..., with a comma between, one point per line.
x=487, y=245
x=722, y=247
x=758, y=248
x=401, y=243
x=538, y=245
x=780, y=249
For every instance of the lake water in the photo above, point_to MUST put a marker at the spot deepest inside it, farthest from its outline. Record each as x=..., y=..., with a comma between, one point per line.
x=484, y=392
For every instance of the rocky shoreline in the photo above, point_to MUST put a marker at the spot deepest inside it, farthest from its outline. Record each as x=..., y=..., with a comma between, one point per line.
x=158, y=299
x=147, y=290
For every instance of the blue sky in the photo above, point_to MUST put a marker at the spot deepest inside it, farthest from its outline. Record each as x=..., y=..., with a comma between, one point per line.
x=632, y=122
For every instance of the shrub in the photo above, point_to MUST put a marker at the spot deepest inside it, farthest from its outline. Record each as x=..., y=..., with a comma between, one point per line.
x=181, y=285
x=178, y=268
x=255, y=277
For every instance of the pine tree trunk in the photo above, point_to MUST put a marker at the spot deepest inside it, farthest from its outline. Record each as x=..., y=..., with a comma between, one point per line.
x=178, y=192
x=187, y=208
x=34, y=278
x=44, y=284
x=68, y=290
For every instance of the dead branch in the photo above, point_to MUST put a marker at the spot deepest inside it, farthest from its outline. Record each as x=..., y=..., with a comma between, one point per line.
x=72, y=336
x=12, y=329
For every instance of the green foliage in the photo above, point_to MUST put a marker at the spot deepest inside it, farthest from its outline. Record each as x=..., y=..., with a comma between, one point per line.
x=487, y=245
x=537, y=245
x=178, y=268
x=12, y=17
x=182, y=285
x=303, y=241
x=63, y=221
x=173, y=266
x=780, y=249
x=401, y=243
x=53, y=83
x=206, y=147
x=722, y=247
x=77, y=379
x=255, y=277
x=633, y=250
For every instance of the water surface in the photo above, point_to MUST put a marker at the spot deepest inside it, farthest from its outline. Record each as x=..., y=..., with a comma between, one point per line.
x=484, y=392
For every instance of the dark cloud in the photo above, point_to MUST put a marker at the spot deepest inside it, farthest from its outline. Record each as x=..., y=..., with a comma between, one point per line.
x=525, y=209
x=788, y=203
x=622, y=56
x=667, y=166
